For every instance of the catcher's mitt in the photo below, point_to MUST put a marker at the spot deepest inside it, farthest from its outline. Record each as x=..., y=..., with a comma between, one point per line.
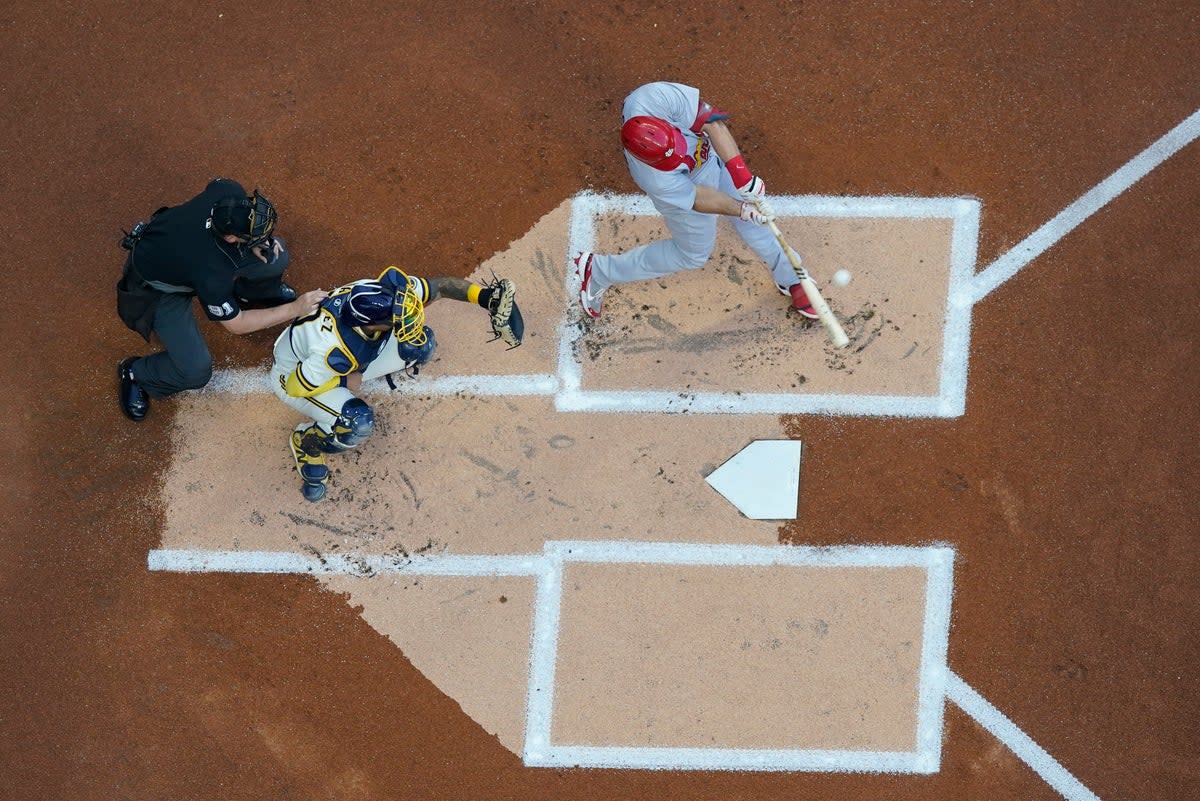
x=506, y=319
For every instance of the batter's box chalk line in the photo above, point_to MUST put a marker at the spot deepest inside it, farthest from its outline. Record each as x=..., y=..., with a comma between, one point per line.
x=936, y=680
x=587, y=211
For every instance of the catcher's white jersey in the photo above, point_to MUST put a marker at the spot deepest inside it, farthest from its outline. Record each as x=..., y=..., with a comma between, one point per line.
x=315, y=354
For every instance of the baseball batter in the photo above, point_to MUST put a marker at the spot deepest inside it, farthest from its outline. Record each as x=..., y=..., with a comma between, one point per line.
x=320, y=359
x=681, y=154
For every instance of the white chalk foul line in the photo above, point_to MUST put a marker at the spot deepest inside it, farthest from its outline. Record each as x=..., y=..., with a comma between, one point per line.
x=1065, y=221
x=1016, y=740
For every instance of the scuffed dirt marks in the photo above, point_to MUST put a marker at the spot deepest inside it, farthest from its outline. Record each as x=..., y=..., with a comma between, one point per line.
x=864, y=327
x=726, y=328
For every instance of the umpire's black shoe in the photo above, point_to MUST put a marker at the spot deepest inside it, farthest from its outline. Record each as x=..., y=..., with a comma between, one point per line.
x=134, y=400
x=285, y=294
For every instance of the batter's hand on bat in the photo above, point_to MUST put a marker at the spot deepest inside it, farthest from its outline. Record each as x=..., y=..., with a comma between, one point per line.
x=756, y=214
x=754, y=191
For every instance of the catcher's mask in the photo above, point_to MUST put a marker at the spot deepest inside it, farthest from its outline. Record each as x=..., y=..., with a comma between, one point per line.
x=408, y=317
x=251, y=219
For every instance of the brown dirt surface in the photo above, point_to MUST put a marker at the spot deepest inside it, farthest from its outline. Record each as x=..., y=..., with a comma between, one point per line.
x=434, y=135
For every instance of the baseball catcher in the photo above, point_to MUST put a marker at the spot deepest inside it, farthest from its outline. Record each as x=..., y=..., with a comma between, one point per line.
x=320, y=358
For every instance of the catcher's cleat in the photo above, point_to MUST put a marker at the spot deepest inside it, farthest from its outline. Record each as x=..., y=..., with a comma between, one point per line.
x=135, y=403
x=311, y=467
x=589, y=298
x=799, y=300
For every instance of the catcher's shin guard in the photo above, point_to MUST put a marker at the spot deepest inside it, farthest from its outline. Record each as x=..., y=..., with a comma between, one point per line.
x=309, y=445
x=351, y=428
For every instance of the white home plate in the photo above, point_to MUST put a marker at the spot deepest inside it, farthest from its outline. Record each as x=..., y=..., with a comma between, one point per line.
x=762, y=480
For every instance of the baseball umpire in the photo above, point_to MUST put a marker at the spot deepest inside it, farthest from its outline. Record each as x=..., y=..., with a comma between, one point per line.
x=221, y=247
x=681, y=153
x=320, y=358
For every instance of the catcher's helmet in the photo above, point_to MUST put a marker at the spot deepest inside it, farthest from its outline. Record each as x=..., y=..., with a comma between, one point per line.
x=369, y=304
x=252, y=218
x=655, y=142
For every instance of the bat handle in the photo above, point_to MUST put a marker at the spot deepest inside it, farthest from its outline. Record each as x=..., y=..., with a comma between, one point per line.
x=801, y=273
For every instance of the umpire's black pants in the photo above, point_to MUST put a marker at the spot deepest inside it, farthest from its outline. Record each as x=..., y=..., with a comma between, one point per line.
x=186, y=363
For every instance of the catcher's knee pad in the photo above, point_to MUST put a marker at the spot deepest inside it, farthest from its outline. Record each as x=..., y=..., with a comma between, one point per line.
x=354, y=424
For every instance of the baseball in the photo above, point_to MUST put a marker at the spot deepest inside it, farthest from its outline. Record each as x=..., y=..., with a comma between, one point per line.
x=842, y=277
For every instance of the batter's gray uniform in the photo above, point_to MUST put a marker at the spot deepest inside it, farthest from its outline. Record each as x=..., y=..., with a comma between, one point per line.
x=693, y=233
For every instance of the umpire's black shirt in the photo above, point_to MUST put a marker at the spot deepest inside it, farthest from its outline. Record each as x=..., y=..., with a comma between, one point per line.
x=179, y=252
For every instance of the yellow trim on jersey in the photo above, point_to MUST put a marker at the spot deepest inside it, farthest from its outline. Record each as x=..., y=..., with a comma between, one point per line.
x=324, y=407
x=298, y=387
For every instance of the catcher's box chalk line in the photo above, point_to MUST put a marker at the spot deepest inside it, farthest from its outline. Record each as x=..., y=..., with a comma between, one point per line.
x=1020, y=743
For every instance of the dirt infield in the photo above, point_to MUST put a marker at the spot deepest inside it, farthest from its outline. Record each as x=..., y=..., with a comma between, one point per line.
x=433, y=136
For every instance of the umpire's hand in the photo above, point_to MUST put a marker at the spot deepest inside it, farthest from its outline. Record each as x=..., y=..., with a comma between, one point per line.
x=307, y=303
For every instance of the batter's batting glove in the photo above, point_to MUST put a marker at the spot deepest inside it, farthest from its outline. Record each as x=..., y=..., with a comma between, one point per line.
x=756, y=214
x=754, y=191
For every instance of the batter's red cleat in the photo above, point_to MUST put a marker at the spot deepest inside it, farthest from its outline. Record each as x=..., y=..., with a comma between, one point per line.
x=588, y=299
x=799, y=300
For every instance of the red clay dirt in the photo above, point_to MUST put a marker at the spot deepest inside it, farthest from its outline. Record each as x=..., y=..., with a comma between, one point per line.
x=433, y=135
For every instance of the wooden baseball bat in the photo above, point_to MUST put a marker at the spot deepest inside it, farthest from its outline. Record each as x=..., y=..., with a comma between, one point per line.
x=832, y=327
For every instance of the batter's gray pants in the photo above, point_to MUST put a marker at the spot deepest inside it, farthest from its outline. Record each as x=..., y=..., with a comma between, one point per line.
x=693, y=236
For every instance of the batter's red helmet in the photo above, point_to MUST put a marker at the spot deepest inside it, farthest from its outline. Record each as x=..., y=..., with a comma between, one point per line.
x=655, y=142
